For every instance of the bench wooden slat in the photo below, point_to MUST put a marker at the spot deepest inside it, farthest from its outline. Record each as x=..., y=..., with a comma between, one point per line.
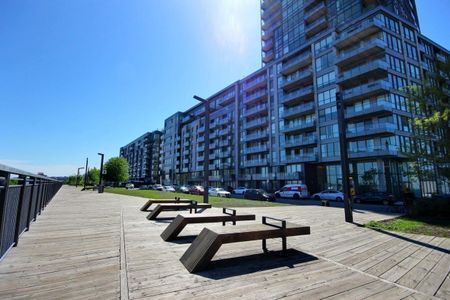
x=208, y=242
x=179, y=206
x=177, y=225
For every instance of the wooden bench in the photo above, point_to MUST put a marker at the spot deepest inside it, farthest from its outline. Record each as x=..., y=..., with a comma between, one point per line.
x=154, y=201
x=208, y=242
x=192, y=206
x=229, y=215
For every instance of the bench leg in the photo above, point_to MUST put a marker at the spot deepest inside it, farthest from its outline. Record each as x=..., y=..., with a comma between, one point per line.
x=264, y=246
x=284, y=243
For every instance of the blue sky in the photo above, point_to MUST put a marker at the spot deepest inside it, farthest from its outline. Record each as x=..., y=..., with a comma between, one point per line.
x=81, y=77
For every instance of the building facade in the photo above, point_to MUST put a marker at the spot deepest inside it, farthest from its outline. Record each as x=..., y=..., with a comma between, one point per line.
x=279, y=125
x=143, y=156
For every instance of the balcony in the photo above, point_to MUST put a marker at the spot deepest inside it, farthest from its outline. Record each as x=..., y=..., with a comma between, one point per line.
x=224, y=143
x=224, y=121
x=361, y=31
x=373, y=109
x=255, y=162
x=256, y=149
x=256, y=136
x=361, y=52
x=270, y=20
x=267, y=45
x=297, y=79
x=269, y=7
x=300, y=141
x=266, y=35
x=200, y=148
x=315, y=12
x=296, y=63
x=310, y=3
x=298, y=110
x=375, y=68
x=306, y=93
x=260, y=81
x=366, y=90
x=227, y=98
x=201, y=129
x=299, y=126
x=301, y=158
x=224, y=131
x=201, y=139
x=262, y=108
x=261, y=122
x=259, y=95
x=268, y=56
x=386, y=128
x=316, y=26
x=376, y=152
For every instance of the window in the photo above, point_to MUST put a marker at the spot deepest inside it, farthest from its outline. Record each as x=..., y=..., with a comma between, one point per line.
x=326, y=79
x=330, y=150
x=393, y=43
x=329, y=131
x=396, y=64
x=324, y=61
x=408, y=33
x=327, y=97
x=411, y=51
x=328, y=114
x=414, y=71
x=397, y=81
x=323, y=44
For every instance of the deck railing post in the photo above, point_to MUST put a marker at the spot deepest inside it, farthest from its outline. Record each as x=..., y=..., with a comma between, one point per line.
x=33, y=190
x=19, y=209
x=3, y=198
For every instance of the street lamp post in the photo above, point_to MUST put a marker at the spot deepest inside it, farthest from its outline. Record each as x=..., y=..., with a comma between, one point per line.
x=86, y=173
x=100, y=181
x=78, y=175
x=344, y=159
x=206, y=151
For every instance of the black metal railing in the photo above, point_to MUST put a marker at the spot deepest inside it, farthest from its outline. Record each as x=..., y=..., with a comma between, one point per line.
x=21, y=200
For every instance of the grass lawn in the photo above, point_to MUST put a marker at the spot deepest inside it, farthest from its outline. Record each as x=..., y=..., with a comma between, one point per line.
x=434, y=227
x=214, y=201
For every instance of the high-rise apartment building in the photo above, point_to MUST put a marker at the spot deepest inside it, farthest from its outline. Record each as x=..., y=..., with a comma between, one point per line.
x=279, y=125
x=143, y=156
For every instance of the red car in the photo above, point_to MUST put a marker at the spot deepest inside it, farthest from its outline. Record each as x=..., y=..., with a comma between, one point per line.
x=196, y=190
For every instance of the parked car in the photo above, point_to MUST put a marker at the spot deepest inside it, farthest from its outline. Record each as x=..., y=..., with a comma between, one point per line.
x=219, y=192
x=196, y=190
x=258, y=194
x=239, y=190
x=375, y=197
x=295, y=191
x=158, y=187
x=144, y=187
x=329, y=195
x=169, y=188
x=184, y=189
x=129, y=186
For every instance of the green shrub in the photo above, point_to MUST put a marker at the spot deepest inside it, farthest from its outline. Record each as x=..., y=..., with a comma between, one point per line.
x=435, y=208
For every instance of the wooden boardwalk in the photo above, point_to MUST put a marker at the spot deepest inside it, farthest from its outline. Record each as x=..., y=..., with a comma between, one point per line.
x=100, y=246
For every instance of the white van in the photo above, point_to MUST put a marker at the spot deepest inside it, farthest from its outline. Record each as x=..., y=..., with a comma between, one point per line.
x=295, y=191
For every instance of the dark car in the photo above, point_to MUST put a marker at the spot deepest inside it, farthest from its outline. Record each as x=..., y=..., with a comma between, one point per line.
x=196, y=190
x=258, y=194
x=375, y=197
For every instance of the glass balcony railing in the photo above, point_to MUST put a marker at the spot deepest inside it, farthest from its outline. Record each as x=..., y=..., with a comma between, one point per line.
x=257, y=135
x=297, y=76
x=302, y=157
x=299, y=141
x=298, y=94
x=254, y=82
x=368, y=109
x=363, y=69
x=255, y=109
x=373, y=129
x=305, y=107
x=361, y=49
x=254, y=96
x=256, y=149
x=366, y=89
x=360, y=28
x=256, y=122
x=305, y=57
x=299, y=125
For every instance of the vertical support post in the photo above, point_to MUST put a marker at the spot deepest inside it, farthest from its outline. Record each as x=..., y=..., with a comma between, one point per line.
x=86, y=173
x=344, y=158
x=33, y=190
x=3, y=204
x=206, y=154
x=19, y=209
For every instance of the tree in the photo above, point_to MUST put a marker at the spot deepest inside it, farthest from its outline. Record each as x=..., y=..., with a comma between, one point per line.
x=116, y=169
x=431, y=100
x=93, y=176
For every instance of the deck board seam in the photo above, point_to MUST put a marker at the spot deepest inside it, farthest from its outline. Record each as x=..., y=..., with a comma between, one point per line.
x=124, y=291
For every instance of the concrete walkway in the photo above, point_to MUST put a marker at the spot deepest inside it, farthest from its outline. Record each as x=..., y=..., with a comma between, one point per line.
x=100, y=246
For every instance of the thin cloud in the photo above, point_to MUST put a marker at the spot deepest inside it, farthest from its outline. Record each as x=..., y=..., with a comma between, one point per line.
x=49, y=170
